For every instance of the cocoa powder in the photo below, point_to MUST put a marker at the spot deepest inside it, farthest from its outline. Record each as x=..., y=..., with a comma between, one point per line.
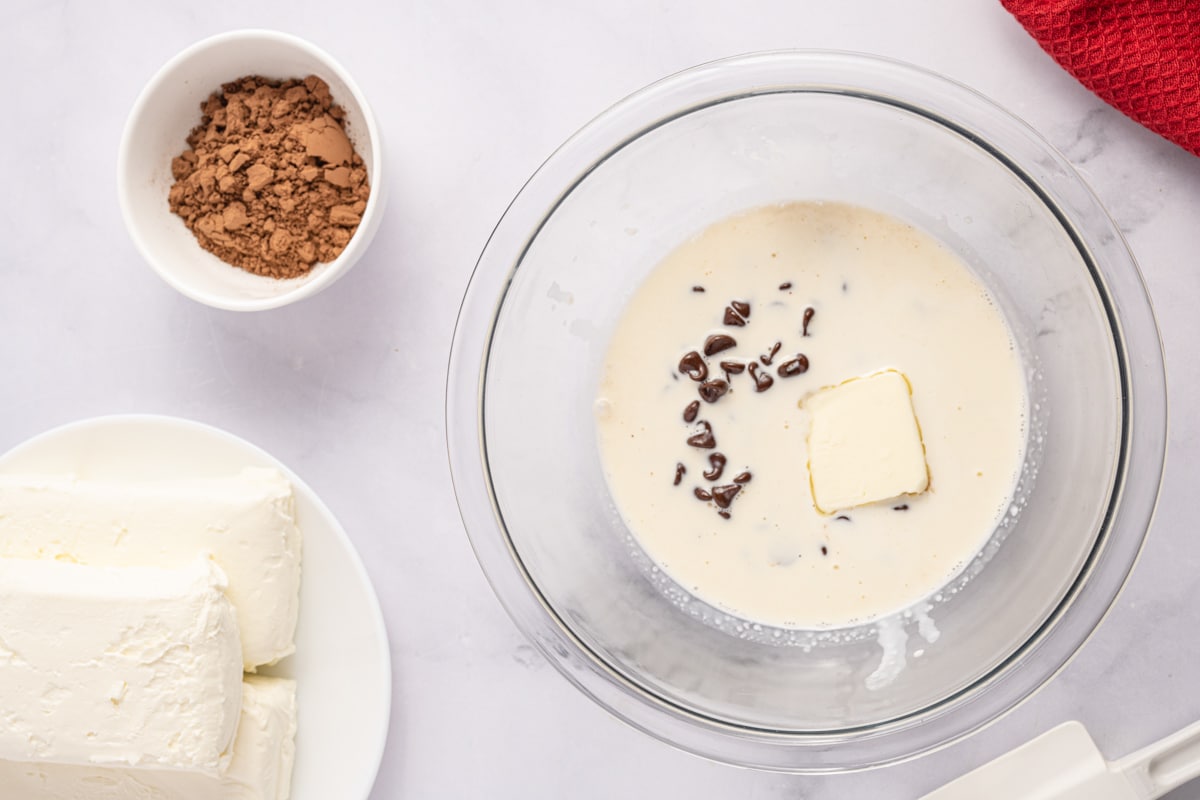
x=270, y=182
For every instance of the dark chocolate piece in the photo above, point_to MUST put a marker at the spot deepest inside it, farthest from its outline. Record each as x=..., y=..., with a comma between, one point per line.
x=701, y=494
x=689, y=413
x=680, y=469
x=762, y=381
x=723, y=495
x=808, y=315
x=697, y=288
x=733, y=367
x=705, y=439
x=718, y=466
x=718, y=342
x=711, y=391
x=733, y=318
x=766, y=360
x=743, y=477
x=693, y=366
x=783, y=287
x=794, y=366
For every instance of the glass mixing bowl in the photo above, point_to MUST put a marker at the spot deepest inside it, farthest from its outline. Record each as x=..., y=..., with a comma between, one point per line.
x=655, y=170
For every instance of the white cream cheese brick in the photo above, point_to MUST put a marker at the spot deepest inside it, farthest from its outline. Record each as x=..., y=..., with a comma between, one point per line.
x=263, y=756
x=129, y=666
x=265, y=751
x=246, y=521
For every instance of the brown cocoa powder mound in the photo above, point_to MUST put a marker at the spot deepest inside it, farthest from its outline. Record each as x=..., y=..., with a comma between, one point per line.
x=270, y=182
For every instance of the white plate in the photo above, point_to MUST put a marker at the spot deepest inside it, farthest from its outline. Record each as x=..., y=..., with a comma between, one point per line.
x=342, y=665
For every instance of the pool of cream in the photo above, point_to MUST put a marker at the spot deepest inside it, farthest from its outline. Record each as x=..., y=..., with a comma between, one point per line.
x=882, y=295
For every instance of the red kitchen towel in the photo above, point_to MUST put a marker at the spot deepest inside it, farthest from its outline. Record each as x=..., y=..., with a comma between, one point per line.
x=1140, y=56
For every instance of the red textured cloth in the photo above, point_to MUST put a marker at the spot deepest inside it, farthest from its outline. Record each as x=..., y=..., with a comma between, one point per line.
x=1140, y=56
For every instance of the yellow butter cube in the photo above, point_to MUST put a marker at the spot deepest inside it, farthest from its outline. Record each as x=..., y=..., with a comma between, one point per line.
x=864, y=443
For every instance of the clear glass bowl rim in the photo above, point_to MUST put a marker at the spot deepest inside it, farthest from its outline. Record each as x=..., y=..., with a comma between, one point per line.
x=1139, y=349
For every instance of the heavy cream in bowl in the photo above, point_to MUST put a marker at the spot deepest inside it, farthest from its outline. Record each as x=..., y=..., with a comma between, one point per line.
x=708, y=458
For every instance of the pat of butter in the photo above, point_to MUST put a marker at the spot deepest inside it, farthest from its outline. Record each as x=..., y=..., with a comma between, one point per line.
x=864, y=443
x=126, y=666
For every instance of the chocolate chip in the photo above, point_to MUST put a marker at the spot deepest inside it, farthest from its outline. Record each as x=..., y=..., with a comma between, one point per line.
x=741, y=308
x=766, y=360
x=689, y=413
x=794, y=366
x=724, y=514
x=762, y=381
x=697, y=288
x=808, y=315
x=701, y=494
x=901, y=507
x=723, y=495
x=705, y=439
x=733, y=367
x=718, y=342
x=711, y=391
x=718, y=466
x=680, y=469
x=733, y=318
x=743, y=478
x=783, y=287
x=693, y=366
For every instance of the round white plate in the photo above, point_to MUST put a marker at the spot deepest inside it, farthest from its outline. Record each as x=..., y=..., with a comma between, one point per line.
x=342, y=665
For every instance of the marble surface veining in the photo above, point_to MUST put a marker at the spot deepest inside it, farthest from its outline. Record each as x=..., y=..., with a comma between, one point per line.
x=346, y=388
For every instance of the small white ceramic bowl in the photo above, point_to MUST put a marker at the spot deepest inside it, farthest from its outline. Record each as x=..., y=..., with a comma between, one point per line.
x=156, y=131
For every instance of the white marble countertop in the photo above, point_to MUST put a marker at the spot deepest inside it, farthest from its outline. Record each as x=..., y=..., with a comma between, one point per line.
x=346, y=388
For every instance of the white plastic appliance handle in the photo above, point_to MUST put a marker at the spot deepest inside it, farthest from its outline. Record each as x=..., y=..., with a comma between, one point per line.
x=1165, y=765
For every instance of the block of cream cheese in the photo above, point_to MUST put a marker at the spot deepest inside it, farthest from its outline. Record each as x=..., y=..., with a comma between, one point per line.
x=130, y=666
x=246, y=521
x=265, y=750
x=263, y=755
x=864, y=443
